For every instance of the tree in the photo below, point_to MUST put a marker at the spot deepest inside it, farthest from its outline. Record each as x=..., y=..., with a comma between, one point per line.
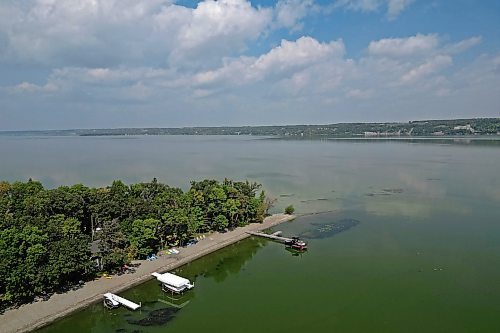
x=231, y=208
x=174, y=226
x=69, y=261
x=70, y=228
x=45, y=234
x=289, y=210
x=6, y=215
x=23, y=256
x=221, y=222
x=112, y=245
x=196, y=219
x=267, y=202
x=143, y=236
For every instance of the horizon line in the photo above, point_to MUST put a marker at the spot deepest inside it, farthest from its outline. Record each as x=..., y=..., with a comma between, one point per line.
x=243, y=126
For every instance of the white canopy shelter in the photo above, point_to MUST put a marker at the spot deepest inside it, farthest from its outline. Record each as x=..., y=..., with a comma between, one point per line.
x=173, y=282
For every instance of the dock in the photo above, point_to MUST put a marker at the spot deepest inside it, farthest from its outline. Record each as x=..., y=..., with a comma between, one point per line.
x=113, y=300
x=274, y=236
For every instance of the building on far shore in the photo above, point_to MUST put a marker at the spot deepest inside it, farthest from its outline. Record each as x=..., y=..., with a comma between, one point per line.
x=467, y=127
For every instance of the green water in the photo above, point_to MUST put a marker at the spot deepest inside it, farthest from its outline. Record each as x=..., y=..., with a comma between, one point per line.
x=424, y=257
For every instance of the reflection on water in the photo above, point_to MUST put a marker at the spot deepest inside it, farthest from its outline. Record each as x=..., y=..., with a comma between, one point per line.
x=228, y=261
x=478, y=141
x=294, y=252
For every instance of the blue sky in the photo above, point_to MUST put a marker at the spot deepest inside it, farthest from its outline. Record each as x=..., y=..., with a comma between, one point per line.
x=164, y=63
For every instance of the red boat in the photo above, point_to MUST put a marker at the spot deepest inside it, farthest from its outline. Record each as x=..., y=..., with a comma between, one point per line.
x=296, y=244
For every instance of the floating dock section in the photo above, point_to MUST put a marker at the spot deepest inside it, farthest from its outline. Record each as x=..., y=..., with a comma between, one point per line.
x=275, y=236
x=112, y=301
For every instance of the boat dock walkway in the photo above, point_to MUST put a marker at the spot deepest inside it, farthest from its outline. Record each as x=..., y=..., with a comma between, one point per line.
x=274, y=236
x=125, y=302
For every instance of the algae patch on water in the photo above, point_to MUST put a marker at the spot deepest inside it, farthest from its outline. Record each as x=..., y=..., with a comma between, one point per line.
x=320, y=231
x=156, y=317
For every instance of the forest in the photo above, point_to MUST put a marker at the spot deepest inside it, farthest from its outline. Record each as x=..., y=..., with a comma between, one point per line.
x=46, y=235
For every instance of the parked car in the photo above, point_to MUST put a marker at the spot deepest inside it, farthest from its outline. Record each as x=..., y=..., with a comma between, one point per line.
x=191, y=242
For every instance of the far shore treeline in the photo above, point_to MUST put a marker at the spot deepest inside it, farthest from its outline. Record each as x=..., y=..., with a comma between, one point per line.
x=419, y=128
x=46, y=234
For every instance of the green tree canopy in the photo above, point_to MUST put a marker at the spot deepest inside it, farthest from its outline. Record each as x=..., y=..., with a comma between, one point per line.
x=46, y=234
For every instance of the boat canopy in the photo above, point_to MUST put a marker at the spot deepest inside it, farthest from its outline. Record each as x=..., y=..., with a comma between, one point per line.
x=172, y=280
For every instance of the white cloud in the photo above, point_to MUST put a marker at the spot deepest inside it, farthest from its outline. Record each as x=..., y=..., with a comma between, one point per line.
x=397, y=47
x=359, y=94
x=86, y=32
x=155, y=33
x=102, y=33
x=289, y=13
x=304, y=67
x=464, y=45
x=303, y=77
x=418, y=56
x=429, y=67
x=305, y=50
x=32, y=88
x=285, y=59
x=218, y=28
x=394, y=7
x=359, y=5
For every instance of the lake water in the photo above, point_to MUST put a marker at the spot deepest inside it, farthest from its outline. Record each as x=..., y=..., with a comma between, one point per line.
x=404, y=236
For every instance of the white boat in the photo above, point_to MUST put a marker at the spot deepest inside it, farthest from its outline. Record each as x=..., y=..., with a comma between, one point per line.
x=173, y=283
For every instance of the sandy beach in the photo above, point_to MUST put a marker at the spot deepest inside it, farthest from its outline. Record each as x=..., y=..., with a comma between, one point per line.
x=35, y=315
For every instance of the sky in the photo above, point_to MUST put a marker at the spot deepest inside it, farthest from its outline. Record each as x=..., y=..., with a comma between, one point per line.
x=164, y=63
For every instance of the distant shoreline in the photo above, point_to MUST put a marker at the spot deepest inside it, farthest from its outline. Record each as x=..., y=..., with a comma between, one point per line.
x=36, y=315
x=422, y=128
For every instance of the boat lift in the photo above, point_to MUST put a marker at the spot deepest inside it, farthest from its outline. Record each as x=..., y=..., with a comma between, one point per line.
x=112, y=301
x=173, y=283
x=172, y=304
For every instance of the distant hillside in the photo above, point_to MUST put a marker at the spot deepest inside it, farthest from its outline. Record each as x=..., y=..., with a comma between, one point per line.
x=455, y=127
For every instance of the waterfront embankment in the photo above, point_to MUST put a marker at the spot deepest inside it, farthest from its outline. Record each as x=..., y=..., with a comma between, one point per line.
x=38, y=314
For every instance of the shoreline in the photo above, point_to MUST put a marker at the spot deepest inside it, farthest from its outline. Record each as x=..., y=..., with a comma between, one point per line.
x=32, y=316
